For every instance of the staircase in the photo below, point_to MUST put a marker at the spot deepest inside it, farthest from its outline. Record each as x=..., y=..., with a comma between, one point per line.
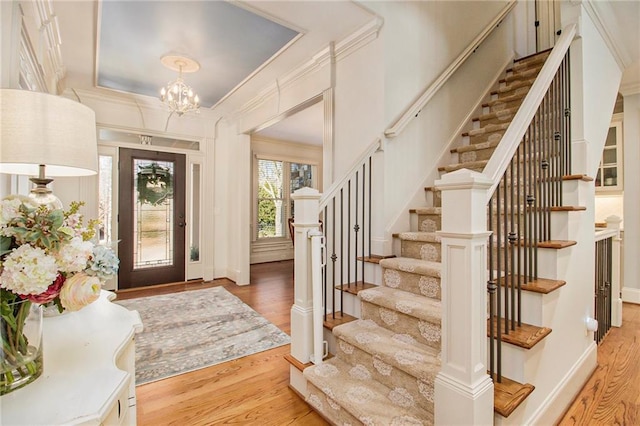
x=385, y=363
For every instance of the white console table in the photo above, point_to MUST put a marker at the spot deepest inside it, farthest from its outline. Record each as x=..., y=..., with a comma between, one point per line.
x=89, y=371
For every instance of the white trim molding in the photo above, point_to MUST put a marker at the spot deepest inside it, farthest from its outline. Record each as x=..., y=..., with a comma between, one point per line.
x=601, y=22
x=631, y=295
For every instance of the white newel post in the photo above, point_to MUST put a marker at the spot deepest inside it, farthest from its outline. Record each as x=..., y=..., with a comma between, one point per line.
x=613, y=222
x=306, y=203
x=463, y=389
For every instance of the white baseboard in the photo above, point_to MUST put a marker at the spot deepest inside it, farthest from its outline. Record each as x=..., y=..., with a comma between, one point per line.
x=563, y=394
x=631, y=295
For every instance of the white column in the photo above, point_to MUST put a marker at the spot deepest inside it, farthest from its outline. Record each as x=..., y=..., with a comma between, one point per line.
x=463, y=389
x=613, y=222
x=306, y=218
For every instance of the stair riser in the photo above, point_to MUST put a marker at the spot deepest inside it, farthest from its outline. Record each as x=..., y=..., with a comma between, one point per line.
x=477, y=155
x=351, y=303
x=422, y=331
x=491, y=137
x=500, y=104
x=499, y=119
x=421, y=250
x=413, y=283
x=513, y=90
x=532, y=305
x=576, y=192
x=514, y=360
x=552, y=263
x=421, y=389
x=429, y=222
x=329, y=408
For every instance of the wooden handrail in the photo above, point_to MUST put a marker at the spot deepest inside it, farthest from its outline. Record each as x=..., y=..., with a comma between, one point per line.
x=414, y=109
x=335, y=187
x=505, y=151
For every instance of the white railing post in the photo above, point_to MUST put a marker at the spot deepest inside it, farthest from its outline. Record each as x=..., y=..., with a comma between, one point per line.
x=306, y=203
x=463, y=389
x=613, y=222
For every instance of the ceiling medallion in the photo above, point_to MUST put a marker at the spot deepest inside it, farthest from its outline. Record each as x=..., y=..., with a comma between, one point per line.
x=177, y=95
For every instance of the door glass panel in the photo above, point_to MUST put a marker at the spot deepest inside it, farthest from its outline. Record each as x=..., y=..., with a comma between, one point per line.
x=610, y=176
x=153, y=213
x=194, y=238
x=611, y=137
x=609, y=156
x=105, y=204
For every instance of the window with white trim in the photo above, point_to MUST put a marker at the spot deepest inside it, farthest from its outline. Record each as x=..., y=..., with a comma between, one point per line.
x=276, y=181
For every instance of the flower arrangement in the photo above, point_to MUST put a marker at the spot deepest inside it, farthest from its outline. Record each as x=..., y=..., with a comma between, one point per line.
x=47, y=257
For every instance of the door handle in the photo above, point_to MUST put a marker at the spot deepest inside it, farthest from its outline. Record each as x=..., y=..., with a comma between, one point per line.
x=181, y=224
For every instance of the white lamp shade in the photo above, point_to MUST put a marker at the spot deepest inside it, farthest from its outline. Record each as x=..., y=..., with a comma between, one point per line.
x=39, y=128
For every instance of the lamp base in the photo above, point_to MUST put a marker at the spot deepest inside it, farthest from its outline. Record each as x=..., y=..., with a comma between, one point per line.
x=41, y=194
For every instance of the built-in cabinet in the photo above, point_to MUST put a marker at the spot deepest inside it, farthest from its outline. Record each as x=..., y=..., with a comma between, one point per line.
x=89, y=370
x=610, y=172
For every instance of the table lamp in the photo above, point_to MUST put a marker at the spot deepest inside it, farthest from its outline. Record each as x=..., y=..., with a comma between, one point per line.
x=46, y=135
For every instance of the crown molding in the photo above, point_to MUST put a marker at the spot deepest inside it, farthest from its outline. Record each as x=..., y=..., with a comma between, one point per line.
x=125, y=99
x=629, y=89
x=359, y=38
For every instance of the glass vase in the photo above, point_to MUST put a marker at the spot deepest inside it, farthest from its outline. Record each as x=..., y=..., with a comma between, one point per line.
x=21, y=359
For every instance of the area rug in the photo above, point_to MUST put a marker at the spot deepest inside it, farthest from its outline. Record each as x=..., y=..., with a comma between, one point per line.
x=191, y=330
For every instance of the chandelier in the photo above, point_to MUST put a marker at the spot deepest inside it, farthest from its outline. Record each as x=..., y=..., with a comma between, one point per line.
x=177, y=95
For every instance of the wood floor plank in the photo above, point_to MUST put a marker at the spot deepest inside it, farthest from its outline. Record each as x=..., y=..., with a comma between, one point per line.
x=251, y=390
x=611, y=396
x=254, y=389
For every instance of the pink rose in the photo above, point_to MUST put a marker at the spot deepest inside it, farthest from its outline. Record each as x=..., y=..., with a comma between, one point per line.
x=79, y=290
x=49, y=294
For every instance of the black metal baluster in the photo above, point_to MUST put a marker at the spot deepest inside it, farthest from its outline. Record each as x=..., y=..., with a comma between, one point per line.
x=356, y=229
x=364, y=203
x=536, y=192
x=341, y=247
x=370, y=173
x=519, y=203
x=498, y=317
x=505, y=245
x=334, y=257
x=324, y=277
x=348, y=258
x=512, y=242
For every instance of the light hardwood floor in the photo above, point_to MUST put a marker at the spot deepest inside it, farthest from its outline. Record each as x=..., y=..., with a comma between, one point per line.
x=611, y=396
x=254, y=389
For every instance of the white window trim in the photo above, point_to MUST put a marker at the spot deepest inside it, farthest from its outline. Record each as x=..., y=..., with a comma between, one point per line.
x=285, y=240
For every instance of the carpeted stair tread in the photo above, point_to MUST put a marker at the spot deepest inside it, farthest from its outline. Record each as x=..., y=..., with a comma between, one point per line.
x=516, y=87
x=504, y=114
x=489, y=128
x=425, y=237
x=472, y=165
x=369, y=401
x=421, y=307
x=416, y=359
x=522, y=73
x=427, y=210
x=515, y=98
x=414, y=266
x=476, y=147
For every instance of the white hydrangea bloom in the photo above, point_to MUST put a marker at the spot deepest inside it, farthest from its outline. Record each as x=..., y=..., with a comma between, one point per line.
x=73, y=256
x=28, y=270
